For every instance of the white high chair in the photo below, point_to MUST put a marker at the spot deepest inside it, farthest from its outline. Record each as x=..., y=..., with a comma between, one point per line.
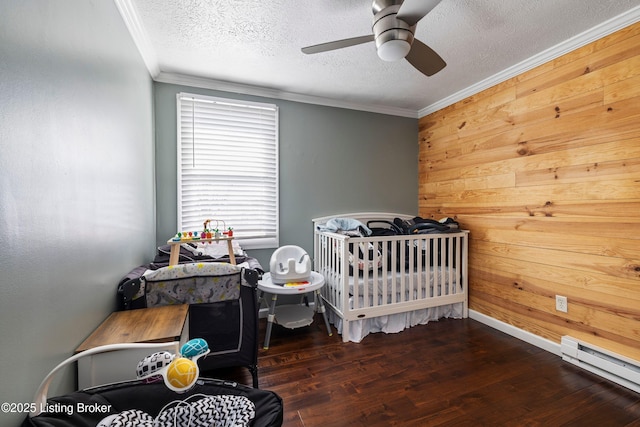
x=290, y=264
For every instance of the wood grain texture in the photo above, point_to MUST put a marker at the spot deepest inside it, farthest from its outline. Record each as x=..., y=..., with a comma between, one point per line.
x=544, y=170
x=453, y=372
x=145, y=325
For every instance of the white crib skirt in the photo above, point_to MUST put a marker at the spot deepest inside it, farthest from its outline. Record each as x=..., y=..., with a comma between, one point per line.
x=394, y=323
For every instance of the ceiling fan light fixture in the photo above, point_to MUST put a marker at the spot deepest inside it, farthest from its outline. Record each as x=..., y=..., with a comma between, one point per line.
x=393, y=50
x=394, y=25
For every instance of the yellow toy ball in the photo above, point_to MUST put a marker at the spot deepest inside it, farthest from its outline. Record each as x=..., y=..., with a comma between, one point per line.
x=181, y=374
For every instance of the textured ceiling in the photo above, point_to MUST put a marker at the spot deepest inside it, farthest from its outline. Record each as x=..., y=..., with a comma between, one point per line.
x=256, y=44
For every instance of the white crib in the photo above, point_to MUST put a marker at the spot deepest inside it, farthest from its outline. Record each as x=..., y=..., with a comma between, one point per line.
x=389, y=283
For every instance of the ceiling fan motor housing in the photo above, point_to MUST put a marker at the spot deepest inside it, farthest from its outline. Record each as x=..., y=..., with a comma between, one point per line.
x=393, y=36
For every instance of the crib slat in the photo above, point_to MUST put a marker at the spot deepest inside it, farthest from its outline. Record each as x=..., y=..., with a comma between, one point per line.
x=403, y=261
x=385, y=271
x=375, y=271
x=394, y=280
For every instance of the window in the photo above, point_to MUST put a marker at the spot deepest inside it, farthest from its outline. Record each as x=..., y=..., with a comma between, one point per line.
x=228, y=167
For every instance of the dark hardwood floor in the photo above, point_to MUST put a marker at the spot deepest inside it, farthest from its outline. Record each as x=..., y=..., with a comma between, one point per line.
x=446, y=373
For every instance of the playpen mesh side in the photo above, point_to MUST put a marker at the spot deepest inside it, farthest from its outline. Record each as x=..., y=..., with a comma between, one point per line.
x=223, y=310
x=231, y=329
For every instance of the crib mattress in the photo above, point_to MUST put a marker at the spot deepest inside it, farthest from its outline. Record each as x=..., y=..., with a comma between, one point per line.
x=398, y=281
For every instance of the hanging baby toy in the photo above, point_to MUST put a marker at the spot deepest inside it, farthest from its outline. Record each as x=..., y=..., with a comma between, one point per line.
x=179, y=372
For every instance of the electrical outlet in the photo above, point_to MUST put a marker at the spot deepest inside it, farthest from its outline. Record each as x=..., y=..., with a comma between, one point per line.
x=561, y=303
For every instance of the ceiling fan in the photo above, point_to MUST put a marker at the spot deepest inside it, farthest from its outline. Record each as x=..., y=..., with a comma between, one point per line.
x=394, y=24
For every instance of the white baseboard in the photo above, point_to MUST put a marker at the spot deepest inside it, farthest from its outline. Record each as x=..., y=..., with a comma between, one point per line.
x=508, y=329
x=521, y=334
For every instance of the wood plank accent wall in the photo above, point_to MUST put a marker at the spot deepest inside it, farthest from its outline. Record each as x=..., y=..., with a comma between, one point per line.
x=544, y=169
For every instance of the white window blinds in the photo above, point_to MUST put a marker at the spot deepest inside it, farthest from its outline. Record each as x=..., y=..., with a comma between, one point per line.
x=228, y=167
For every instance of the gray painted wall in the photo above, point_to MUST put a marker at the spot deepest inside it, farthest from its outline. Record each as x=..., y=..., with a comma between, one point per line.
x=77, y=205
x=332, y=161
x=77, y=190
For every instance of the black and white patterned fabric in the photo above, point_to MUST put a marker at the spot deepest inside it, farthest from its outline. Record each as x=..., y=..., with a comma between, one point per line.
x=208, y=411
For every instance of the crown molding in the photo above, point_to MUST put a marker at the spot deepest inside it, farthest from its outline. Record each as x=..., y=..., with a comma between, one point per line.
x=599, y=31
x=140, y=38
x=206, y=83
x=136, y=29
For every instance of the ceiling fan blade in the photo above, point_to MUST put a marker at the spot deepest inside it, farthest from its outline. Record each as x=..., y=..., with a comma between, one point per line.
x=339, y=44
x=412, y=11
x=425, y=59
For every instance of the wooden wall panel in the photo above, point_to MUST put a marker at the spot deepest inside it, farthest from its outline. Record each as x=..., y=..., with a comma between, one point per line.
x=544, y=169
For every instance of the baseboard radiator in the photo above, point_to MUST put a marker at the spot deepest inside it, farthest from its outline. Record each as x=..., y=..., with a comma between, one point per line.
x=614, y=367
